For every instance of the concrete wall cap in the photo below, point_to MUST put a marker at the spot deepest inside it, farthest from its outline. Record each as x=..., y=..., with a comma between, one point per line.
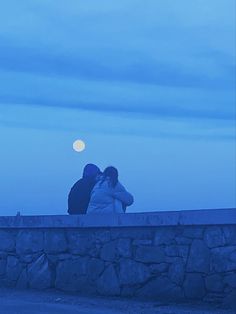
x=147, y=219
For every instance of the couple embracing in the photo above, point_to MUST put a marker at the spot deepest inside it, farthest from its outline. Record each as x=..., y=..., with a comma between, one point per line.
x=98, y=192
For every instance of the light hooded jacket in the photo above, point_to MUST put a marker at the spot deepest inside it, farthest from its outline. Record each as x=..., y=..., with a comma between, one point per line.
x=106, y=199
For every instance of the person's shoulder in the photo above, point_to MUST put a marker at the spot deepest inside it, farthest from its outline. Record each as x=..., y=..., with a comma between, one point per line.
x=81, y=182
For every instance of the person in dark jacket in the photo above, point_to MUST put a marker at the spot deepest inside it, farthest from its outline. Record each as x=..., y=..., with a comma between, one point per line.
x=79, y=196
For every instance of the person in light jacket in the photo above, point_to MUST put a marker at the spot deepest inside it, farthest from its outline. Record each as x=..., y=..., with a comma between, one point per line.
x=109, y=195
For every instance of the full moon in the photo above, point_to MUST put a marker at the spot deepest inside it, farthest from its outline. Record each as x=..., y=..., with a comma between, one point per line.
x=79, y=146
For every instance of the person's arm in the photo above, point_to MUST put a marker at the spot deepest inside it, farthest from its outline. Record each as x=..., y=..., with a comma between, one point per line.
x=122, y=195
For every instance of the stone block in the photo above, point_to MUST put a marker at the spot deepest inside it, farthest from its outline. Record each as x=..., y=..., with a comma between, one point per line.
x=184, y=252
x=95, y=268
x=124, y=247
x=199, y=257
x=39, y=274
x=95, y=249
x=150, y=254
x=3, y=265
x=55, y=241
x=29, y=241
x=194, y=287
x=7, y=242
x=109, y=252
x=159, y=268
x=177, y=250
x=142, y=242
x=22, y=282
x=214, y=237
x=173, y=259
x=14, y=269
x=71, y=275
x=132, y=233
x=132, y=272
x=193, y=232
x=64, y=256
x=215, y=298
x=79, y=243
x=230, y=279
x=29, y=258
x=232, y=256
x=229, y=301
x=183, y=240
x=220, y=259
x=172, y=250
x=164, y=236
x=108, y=283
x=128, y=291
x=102, y=236
x=230, y=234
x=176, y=273
x=161, y=288
x=214, y=283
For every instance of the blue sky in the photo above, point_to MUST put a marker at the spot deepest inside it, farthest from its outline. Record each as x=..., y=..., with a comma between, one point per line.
x=148, y=85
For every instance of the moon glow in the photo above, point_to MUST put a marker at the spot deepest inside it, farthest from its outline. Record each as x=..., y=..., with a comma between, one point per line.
x=79, y=146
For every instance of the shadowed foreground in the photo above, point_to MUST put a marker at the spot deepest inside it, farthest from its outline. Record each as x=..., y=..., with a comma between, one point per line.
x=50, y=302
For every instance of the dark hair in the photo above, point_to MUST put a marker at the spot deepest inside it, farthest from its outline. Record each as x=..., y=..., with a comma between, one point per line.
x=91, y=170
x=112, y=174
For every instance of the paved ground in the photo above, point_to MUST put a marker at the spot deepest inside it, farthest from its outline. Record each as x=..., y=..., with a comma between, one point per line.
x=54, y=302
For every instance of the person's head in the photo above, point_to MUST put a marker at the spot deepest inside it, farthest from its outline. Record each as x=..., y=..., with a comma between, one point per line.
x=91, y=171
x=112, y=174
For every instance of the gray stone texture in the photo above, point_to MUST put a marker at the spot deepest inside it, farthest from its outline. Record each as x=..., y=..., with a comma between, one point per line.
x=132, y=233
x=221, y=259
x=159, y=268
x=214, y=237
x=230, y=279
x=194, y=287
x=124, y=247
x=150, y=254
x=109, y=251
x=29, y=241
x=230, y=300
x=22, y=282
x=177, y=250
x=183, y=240
x=78, y=243
x=39, y=274
x=142, y=242
x=199, y=257
x=132, y=272
x=102, y=236
x=232, y=256
x=29, y=258
x=214, y=283
x=7, y=241
x=230, y=234
x=128, y=291
x=108, y=283
x=193, y=232
x=55, y=242
x=164, y=235
x=13, y=269
x=3, y=264
x=176, y=273
x=95, y=268
x=163, y=262
x=71, y=275
x=161, y=288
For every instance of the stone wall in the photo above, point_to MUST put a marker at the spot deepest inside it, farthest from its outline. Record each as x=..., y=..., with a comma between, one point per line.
x=138, y=256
